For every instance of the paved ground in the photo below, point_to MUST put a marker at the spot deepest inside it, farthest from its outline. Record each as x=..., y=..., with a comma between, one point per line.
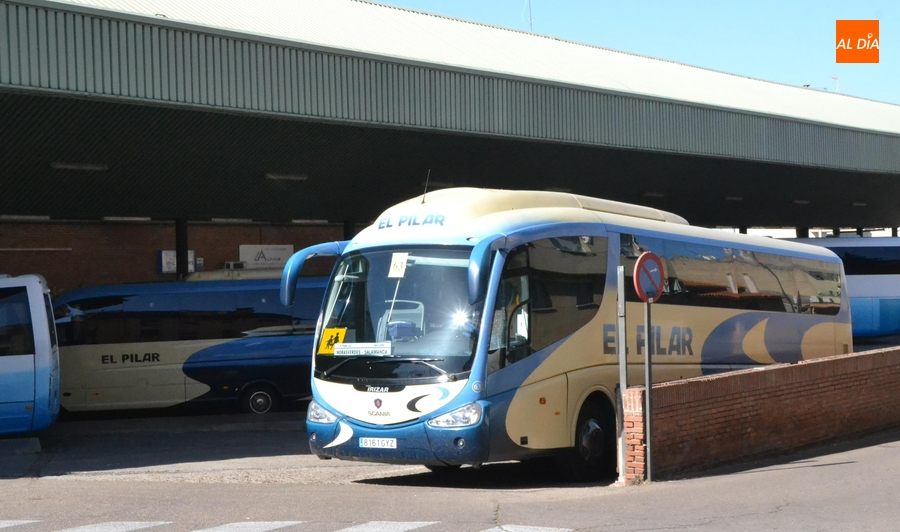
x=248, y=473
x=221, y=448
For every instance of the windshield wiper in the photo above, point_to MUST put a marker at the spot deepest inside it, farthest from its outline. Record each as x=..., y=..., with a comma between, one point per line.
x=326, y=372
x=423, y=361
x=330, y=370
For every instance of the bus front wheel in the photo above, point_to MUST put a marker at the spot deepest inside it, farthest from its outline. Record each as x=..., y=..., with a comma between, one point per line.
x=594, y=452
x=259, y=399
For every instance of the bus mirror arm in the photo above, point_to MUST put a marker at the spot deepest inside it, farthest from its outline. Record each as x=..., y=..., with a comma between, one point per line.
x=480, y=267
x=294, y=266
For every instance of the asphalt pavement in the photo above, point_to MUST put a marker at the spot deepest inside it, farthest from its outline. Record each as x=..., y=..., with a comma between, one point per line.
x=193, y=472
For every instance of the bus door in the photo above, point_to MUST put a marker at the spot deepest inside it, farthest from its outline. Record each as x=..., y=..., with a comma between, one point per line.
x=549, y=290
x=17, y=352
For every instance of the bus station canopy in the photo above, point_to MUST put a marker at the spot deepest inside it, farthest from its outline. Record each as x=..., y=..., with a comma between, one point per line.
x=310, y=109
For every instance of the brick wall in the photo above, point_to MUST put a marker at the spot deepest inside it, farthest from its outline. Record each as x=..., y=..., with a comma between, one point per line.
x=80, y=254
x=711, y=421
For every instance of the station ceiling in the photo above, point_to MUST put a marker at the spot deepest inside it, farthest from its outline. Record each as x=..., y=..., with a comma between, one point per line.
x=79, y=158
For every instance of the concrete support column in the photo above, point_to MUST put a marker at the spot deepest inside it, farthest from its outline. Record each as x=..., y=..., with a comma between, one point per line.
x=349, y=230
x=835, y=231
x=181, y=248
x=803, y=232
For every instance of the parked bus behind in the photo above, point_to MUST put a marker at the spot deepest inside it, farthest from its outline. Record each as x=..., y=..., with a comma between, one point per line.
x=29, y=357
x=872, y=266
x=157, y=345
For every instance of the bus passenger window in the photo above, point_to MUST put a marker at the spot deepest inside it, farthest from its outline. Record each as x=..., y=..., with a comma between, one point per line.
x=705, y=275
x=567, y=276
x=550, y=289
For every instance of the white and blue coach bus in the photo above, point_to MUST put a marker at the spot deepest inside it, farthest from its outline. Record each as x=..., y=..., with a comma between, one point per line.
x=472, y=325
x=29, y=358
x=872, y=266
x=161, y=345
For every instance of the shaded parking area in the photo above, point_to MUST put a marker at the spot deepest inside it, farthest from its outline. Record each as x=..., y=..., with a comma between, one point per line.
x=199, y=448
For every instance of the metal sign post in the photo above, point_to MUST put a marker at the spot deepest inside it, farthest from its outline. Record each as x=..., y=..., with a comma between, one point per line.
x=623, y=371
x=648, y=283
x=648, y=386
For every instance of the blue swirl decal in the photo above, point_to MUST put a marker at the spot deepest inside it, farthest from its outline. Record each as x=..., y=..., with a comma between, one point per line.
x=783, y=338
x=505, y=379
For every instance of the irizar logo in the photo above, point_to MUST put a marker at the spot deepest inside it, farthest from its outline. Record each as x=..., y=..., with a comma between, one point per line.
x=378, y=389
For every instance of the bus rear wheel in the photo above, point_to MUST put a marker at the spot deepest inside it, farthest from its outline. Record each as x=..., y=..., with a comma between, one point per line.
x=593, y=455
x=259, y=399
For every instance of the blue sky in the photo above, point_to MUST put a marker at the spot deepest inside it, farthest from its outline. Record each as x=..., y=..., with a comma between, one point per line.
x=787, y=41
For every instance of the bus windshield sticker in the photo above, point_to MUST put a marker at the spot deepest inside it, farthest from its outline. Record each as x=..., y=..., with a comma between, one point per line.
x=362, y=349
x=330, y=338
x=398, y=265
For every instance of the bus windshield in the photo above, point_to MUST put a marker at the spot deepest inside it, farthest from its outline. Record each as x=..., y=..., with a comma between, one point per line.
x=399, y=315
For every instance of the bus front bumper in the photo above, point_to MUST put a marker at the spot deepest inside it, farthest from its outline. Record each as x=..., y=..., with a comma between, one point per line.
x=410, y=444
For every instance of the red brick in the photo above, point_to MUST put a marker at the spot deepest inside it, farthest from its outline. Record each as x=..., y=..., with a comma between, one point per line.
x=707, y=421
x=96, y=253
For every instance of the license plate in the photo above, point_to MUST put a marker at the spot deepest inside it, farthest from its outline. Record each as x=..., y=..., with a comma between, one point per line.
x=378, y=443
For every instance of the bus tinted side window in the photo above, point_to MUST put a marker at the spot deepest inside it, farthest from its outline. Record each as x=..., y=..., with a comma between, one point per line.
x=567, y=276
x=869, y=260
x=550, y=289
x=167, y=317
x=711, y=276
x=16, y=332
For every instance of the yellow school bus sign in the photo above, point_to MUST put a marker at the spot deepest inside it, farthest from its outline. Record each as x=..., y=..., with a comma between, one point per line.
x=330, y=338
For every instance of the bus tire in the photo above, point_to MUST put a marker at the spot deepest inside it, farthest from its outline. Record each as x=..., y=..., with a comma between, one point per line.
x=259, y=399
x=594, y=453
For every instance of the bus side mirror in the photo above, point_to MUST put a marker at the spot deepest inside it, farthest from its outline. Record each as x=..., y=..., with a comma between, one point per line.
x=480, y=268
x=294, y=266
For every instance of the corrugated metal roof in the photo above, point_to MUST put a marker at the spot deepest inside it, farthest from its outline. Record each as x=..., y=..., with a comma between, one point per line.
x=404, y=34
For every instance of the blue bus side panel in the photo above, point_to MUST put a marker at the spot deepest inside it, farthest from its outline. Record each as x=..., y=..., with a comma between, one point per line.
x=865, y=315
x=873, y=316
x=283, y=361
x=16, y=417
x=16, y=393
x=46, y=371
x=17, y=379
x=889, y=316
x=46, y=394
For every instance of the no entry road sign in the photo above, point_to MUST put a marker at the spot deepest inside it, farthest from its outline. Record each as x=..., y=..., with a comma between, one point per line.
x=648, y=277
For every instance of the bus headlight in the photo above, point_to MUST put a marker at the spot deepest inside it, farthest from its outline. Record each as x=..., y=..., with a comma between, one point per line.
x=461, y=417
x=317, y=414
